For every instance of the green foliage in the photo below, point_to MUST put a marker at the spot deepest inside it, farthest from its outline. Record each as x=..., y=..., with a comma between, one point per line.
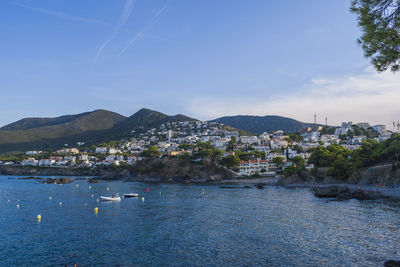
x=207, y=153
x=230, y=161
x=151, y=152
x=249, y=155
x=325, y=156
x=294, y=137
x=231, y=144
x=328, y=130
x=185, y=156
x=342, y=162
x=186, y=146
x=278, y=160
x=290, y=170
x=259, y=124
x=298, y=148
x=380, y=24
x=341, y=168
x=299, y=162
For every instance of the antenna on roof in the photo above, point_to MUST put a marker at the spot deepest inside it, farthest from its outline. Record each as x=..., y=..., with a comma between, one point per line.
x=326, y=121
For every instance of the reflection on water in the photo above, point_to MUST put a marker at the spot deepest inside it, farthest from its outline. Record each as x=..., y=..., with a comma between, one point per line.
x=183, y=226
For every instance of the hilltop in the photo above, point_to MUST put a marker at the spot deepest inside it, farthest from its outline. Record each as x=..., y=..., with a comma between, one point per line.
x=260, y=124
x=90, y=127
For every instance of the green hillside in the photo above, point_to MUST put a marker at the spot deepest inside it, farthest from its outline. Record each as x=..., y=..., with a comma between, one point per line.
x=91, y=128
x=260, y=124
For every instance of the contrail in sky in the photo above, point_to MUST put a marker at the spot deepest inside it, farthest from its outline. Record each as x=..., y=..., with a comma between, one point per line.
x=122, y=20
x=60, y=14
x=140, y=34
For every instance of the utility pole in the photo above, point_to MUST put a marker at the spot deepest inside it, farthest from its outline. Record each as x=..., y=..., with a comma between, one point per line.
x=315, y=121
x=326, y=121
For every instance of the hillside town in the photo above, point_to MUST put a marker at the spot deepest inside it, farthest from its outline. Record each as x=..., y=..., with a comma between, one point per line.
x=265, y=154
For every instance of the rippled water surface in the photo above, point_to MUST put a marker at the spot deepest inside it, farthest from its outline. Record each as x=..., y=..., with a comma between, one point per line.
x=184, y=227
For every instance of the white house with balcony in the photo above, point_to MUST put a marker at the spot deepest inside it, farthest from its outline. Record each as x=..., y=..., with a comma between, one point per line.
x=251, y=167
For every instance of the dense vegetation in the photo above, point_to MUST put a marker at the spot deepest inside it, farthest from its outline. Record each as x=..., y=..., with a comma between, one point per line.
x=343, y=162
x=380, y=24
x=259, y=124
x=92, y=128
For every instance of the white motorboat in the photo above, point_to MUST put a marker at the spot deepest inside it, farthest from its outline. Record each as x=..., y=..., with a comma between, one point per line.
x=110, y=198
x=131, y=195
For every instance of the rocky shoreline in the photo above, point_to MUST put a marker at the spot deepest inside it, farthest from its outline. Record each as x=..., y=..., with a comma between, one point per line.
x=174, y=171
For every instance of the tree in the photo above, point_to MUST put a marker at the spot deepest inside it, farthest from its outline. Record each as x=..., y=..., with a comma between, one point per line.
x=278, y=160
x=299, y=162
x=380, y=24
x=151, y=152
x=231, y=144
x=230, y=161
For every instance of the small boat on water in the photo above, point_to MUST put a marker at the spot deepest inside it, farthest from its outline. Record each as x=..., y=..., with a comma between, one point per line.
x=110, y=198
x=131, y=195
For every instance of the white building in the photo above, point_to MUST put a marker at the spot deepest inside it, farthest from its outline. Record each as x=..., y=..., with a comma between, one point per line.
x=29, y=162
x=379, y=128
x=46, y=162
x=33, y=152
x=346, y=126
x=101, y=150
x=169, y=135
x=253, y=166
x=84, y=157
x=250, y=140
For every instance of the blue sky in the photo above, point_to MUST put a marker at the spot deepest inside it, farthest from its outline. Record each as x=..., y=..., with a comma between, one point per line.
x=201, y=58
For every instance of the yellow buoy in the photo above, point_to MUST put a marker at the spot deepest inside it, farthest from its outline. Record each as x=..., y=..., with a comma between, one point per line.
x=90, y=187
x=142, y=198
x=96, y=210
x=77, y=185
x=108, y=188
x=39, y=218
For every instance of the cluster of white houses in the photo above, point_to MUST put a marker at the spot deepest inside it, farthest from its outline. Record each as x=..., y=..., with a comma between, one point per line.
x=171, y=138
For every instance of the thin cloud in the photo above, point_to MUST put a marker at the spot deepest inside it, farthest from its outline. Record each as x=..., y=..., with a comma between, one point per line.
x=139, y=35
x=60, y=14
x=122, y=20
x=368, y=96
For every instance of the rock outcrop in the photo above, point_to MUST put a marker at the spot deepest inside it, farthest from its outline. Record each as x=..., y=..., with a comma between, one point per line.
x=392, y=263
x=345, y=193
x=63, y=180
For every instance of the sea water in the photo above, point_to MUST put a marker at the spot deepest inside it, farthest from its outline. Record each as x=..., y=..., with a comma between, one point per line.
x=190, y=225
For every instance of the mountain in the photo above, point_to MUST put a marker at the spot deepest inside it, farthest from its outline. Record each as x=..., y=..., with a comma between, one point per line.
x=145, y=119
x=30, y=123
x=35, y=133
x=90, y=127
x=260, y=124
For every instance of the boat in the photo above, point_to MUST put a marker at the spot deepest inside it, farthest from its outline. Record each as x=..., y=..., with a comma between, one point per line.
x=110, y=198
x=131, y=195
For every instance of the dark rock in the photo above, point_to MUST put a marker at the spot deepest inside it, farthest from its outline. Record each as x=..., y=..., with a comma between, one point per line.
x=93, y=181
x=229, y=187
x=329, y=191
x=260, y=186
x=392, y=263
x=246, y=186
x=344, y=193
x=63, y=180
